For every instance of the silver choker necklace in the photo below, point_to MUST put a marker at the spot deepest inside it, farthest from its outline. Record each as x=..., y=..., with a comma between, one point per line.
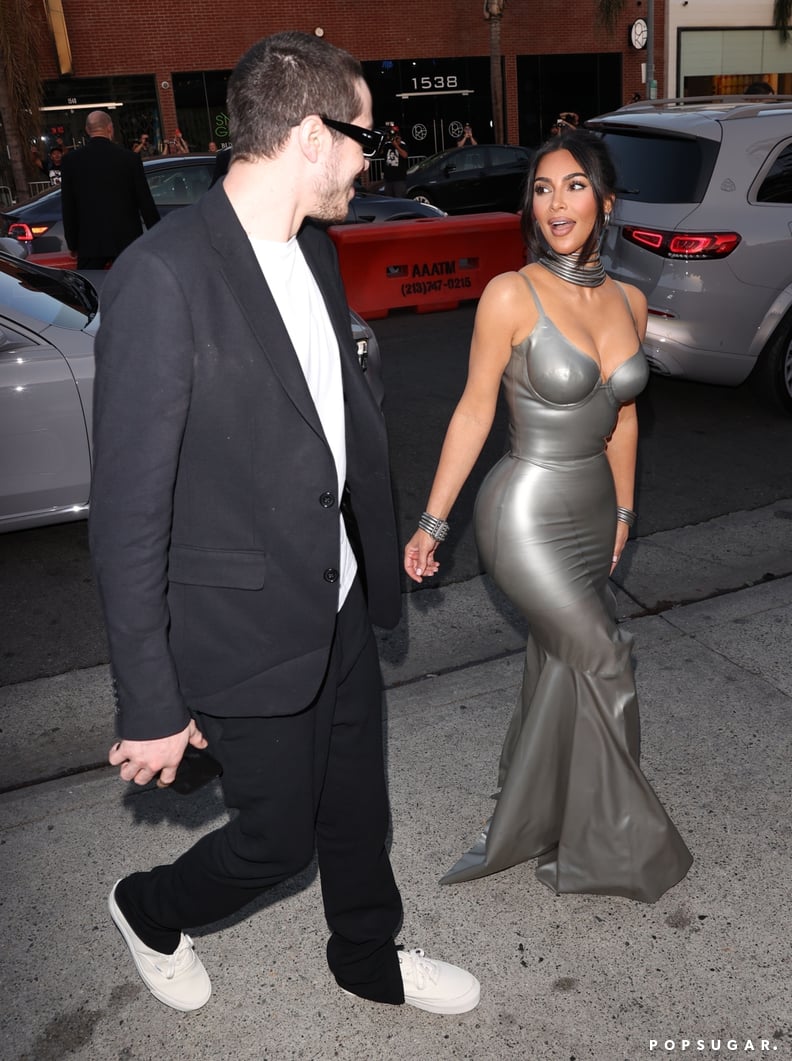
x=566, y=266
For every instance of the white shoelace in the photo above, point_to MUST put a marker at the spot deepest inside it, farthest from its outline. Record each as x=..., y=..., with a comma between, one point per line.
x=419, y=969
x=181, y=959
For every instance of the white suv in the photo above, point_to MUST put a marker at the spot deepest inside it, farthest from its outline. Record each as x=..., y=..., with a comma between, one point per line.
x=703, y=225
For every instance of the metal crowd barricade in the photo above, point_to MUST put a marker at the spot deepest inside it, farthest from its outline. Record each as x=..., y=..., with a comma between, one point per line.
x=34, y=187
x=6, y=198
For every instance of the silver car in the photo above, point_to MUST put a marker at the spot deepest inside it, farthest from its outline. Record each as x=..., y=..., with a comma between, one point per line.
x=48, y=321
x=703, y=225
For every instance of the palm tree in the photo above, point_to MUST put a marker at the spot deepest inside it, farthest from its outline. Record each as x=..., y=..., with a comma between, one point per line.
x=20, y=84
x=493, y=10
x=782, y=15
x=608, y=11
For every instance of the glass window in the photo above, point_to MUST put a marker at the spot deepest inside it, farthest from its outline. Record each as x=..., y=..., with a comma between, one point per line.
x=65, y=299
x=777, y=185
x=467, y=158
x=661, y=169
x=509, y=156
x=201, y=107
x=179, y=185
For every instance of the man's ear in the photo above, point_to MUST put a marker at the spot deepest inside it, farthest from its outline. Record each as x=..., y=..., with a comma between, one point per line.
x=313, y=136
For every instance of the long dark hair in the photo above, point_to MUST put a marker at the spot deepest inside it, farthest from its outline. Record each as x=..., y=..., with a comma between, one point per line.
x=593, y=157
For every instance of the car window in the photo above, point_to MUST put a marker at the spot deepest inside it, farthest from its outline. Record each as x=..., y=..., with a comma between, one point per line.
x=508, y=156
x=661, y=169
x=777, y=185
x=179, y=186
x=42, y=295
x=467, y=159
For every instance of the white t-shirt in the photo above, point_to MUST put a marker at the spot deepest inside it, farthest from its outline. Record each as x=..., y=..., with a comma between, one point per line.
x=307, y=321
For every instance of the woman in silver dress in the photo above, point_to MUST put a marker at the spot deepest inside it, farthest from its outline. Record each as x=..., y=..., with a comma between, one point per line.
x=551, y=521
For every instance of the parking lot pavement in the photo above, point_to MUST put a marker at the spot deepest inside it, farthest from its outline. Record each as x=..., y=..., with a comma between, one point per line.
x=583, y=977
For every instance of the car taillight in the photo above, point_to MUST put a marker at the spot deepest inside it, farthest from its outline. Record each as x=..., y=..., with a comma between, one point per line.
x=25, y=233
x=693, y=246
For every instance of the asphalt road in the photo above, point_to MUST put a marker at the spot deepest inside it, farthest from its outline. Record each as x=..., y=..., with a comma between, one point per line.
x=704, y=452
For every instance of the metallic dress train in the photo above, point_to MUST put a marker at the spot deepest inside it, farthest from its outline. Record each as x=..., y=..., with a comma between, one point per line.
x=571, y=792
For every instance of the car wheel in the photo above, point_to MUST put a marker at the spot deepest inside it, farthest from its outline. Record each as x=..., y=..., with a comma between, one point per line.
x=419, y=197
x=773, y=372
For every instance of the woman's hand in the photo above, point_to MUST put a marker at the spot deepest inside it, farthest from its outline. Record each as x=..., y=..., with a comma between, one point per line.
x=419, y=561
x=622, y=533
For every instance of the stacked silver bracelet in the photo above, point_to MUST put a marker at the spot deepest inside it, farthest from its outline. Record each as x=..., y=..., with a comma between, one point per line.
x=434, y=527
x=626, y=515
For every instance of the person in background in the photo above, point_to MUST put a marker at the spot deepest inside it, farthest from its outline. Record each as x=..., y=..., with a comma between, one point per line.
x=55, y=162
x=176, y=145
x=395, y=164
x=105, y=197
x=759, y=88
x=144, y=147
x=212, y=148
x=244, y=539
x=567, y=120
x=551, y=521
x=467, y=139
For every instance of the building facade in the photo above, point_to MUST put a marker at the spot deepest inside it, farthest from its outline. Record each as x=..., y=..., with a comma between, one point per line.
x=718, y=47
x=161, y=67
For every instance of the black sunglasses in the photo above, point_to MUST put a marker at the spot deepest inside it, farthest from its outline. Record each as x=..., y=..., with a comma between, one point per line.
x=369, y=139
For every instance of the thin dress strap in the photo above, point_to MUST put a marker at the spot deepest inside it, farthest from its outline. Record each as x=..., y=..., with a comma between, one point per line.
x=532, y=289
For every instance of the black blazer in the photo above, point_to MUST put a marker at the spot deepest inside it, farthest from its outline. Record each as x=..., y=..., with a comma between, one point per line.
x=214, y=510
x=104, y=193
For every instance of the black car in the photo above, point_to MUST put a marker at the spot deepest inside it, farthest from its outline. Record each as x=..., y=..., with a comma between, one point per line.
x=175, y=181
x=371, y=206
x=469, y=179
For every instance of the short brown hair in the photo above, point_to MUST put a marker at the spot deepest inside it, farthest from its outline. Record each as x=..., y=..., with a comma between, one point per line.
x=281, y=80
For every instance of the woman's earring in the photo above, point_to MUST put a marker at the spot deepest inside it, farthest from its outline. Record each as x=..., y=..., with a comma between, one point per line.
x=606, y=219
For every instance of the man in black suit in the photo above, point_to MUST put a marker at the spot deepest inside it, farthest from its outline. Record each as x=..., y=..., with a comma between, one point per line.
x=105, y=194
x=240, y=452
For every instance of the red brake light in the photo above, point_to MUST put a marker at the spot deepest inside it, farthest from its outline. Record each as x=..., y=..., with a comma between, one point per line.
x=691, y=246
x=19, y=230
x=652, y=240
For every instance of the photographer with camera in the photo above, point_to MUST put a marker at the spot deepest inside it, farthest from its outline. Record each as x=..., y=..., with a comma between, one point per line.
x=566, y=120
x=396, y=161
x=144, y=147
x=468, y=139
x=176, y=145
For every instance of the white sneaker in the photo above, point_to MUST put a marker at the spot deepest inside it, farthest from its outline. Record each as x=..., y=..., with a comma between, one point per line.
x=179, y=979
x=437, y=986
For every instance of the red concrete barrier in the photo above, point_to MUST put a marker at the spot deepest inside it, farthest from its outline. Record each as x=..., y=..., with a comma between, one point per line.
x=54, y=259
x=428, y=263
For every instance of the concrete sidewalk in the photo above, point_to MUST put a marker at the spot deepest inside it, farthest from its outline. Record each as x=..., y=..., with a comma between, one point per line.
x=562, y=977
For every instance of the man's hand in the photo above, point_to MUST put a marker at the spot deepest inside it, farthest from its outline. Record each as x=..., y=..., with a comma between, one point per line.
x=142, y=760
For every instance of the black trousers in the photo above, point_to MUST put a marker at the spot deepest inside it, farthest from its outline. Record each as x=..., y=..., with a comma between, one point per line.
x=312, y=780
x=84, y=262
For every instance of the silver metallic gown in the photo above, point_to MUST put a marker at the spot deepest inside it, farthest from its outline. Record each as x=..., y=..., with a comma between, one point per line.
x=571, y=791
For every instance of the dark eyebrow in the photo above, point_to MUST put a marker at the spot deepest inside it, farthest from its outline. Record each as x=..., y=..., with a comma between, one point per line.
x=568, y=177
